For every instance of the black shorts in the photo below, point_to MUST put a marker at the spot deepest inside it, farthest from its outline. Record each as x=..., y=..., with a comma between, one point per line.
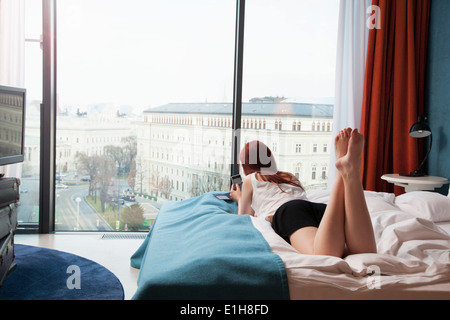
x=297, y=214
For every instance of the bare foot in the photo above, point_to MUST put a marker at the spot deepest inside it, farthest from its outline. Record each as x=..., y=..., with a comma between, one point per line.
x=350, y=164
x=341, y=142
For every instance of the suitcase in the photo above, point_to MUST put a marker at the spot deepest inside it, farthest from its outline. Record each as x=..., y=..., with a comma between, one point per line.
x=8, y=220
x=9, y=191
x=6, y=256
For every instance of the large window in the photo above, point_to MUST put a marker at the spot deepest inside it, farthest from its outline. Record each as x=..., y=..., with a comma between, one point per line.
x=144, y=108
x=145, y=96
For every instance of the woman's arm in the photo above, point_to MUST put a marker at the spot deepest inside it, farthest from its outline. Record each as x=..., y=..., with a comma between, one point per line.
x=243, y=197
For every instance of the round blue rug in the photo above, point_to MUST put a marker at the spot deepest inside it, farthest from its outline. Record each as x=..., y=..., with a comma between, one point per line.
x=45, y=274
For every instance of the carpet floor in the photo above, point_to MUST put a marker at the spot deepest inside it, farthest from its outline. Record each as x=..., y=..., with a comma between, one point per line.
x=46, y=274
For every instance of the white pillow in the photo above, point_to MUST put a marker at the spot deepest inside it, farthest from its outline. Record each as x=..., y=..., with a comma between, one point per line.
x=379, y=201
x=388, y=197
x=427, y=205
x=377, y=205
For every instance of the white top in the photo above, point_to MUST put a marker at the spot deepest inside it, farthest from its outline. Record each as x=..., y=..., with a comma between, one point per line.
x=268, y=197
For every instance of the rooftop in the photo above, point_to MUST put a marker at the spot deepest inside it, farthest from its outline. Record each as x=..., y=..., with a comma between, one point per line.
x=256, y=109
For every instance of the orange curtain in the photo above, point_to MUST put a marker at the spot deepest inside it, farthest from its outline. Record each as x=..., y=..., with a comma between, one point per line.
x=394, y=90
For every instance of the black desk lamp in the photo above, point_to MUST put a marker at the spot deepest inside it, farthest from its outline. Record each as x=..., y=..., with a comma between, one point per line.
x=420, y=130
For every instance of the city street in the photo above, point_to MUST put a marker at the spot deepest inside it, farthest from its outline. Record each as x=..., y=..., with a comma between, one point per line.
x=73, y=212
x=70, y=214
x=28, y=210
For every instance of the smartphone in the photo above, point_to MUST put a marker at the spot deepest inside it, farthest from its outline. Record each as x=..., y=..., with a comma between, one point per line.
x=236, y=179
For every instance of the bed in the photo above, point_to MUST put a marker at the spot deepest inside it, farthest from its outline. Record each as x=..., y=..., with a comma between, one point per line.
x=200, y=248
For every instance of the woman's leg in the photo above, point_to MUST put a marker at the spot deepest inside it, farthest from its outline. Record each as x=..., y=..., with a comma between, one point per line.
x=329, y=238
x=346, y=223
x=359, y=234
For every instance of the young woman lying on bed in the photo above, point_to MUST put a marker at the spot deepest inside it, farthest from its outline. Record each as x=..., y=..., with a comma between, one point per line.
x=342, y=227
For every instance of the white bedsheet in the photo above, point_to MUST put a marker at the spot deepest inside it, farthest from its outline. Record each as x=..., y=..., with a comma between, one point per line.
x=412, y=252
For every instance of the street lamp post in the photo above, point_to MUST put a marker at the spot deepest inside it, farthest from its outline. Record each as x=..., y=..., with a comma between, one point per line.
x=78, y=200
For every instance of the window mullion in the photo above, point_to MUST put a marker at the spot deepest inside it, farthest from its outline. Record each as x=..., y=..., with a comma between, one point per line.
x=48, y=120
x=237, y=95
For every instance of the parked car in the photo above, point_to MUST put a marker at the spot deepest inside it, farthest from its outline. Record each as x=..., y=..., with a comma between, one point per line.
x=61, y=186
x=114, y=201
x=129, y=197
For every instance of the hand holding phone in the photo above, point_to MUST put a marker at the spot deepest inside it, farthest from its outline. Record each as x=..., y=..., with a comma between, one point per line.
x=235, y=192
x=236, y=180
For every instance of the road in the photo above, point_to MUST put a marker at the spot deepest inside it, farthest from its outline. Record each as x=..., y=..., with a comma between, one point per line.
x=77, y=215
x=70, y=214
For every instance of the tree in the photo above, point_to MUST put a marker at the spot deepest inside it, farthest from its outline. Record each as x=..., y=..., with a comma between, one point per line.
x=206, y=182
x=123, y=155
x=133, y=217
x=130, y=150
x=117, y=154
x=90, y=166
x=104, y=177
x=139, y=175
x=132, y=175
x=100, y=170
x=165, y=187
x=154, y=182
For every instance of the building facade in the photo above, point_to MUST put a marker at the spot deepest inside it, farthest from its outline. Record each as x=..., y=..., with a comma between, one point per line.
x=76, y=135
x=184, y=149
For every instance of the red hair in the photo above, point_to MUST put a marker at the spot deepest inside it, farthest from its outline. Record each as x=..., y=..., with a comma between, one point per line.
x=257, y=157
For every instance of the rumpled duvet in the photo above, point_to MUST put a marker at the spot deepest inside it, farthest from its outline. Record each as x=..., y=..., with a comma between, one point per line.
x=411, y=252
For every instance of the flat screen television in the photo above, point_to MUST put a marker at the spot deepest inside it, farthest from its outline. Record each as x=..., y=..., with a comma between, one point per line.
x=12, y=124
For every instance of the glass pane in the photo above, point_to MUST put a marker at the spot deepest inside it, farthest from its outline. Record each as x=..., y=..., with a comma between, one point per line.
x=28, y=211
x=145, y=91
x=288, y=83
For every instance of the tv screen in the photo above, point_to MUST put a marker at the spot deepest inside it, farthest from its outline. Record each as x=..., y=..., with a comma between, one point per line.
x=12, y=124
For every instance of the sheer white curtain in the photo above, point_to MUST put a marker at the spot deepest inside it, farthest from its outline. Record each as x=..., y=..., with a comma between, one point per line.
x=12, y=56
x=353, y=34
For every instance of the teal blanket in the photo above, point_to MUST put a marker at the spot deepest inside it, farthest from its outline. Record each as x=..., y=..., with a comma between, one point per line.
x=200, y=248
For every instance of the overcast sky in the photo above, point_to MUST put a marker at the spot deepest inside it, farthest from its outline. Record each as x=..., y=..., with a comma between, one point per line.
x=147, y=53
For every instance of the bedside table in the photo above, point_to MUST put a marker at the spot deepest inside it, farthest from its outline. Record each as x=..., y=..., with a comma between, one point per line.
x=426, y=183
